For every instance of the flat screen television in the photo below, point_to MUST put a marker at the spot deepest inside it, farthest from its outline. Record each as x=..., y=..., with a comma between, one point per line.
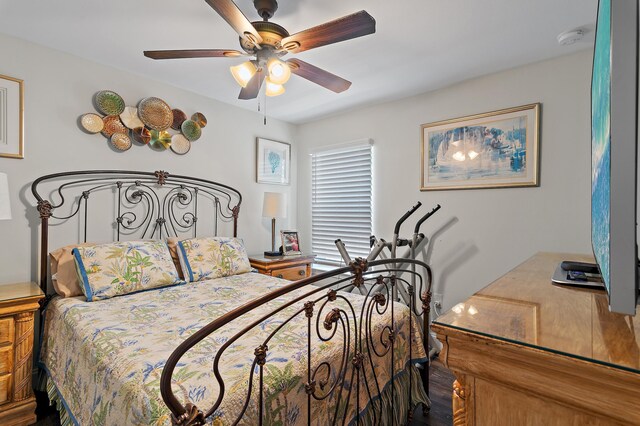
x=614, y=131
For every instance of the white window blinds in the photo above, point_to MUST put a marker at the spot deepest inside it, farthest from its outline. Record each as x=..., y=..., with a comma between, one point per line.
x=341, y=201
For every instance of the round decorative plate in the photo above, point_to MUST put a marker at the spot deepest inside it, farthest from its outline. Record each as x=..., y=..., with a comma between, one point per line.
x=191, y=130
x=120, y=141
x=160, y=140
x=199, y=118
x=92, y=123
x=155, y=113
x=180, y=144
x=141, y=134
x=112, y=124
x=130, y=117
x=178, y=118
x=109, y=102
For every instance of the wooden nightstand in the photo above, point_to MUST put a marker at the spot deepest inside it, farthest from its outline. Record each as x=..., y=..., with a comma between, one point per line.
x=294, y=267
x=18, y=303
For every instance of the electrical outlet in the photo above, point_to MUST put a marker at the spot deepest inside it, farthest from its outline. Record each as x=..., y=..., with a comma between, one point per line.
x=437, y=301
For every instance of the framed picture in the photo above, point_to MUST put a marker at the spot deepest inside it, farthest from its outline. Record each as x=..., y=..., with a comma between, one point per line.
x=492, y=150
x=11, y=117
x=273, y=161
x=290, y=242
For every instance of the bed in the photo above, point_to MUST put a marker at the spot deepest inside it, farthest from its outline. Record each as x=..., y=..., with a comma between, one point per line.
x=239, y=349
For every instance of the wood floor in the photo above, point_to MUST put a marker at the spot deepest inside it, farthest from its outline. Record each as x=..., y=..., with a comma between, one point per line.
x=441, y=381
x=440, y=384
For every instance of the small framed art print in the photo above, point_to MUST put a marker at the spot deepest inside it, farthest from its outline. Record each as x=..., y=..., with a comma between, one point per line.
x=273, y=162
x=11, y=117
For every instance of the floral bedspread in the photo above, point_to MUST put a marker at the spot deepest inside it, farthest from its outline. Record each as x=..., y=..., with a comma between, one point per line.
x=105, y=357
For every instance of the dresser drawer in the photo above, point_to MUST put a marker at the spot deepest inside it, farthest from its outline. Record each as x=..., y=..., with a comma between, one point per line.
x=5, y=384
x=292, y=274
x=6, y=330
x=6, y=358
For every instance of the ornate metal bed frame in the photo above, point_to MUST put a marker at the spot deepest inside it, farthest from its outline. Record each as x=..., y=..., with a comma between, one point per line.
x=156, y=205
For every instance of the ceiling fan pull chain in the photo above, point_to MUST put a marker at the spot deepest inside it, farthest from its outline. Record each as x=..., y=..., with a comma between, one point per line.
x=265, y=109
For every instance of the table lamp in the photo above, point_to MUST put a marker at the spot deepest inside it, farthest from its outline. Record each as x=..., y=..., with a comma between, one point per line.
x=273, y=206
x=5, y=206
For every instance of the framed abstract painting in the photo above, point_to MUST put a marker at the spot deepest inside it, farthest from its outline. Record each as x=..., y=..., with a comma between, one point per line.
x=273, y=162
x=11, y=117
x=491, y=150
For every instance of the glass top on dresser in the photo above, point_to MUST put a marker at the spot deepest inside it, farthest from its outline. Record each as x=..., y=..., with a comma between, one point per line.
x=524, y=307
x=19, y=291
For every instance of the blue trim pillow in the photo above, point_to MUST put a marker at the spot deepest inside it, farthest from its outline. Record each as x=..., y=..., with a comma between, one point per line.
x=115, y=269
x=213, y=257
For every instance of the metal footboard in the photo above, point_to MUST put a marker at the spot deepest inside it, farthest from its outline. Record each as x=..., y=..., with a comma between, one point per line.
x=365, y=342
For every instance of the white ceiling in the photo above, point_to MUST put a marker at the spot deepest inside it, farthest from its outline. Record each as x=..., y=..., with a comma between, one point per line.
x=419, y=45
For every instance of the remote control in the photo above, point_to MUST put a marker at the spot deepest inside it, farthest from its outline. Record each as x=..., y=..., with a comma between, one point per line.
x=577, y=276
x=589, y=268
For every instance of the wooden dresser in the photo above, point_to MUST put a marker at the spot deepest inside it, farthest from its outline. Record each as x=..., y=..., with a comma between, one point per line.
x=18, y=303
x=294, y=267
x=527, y=352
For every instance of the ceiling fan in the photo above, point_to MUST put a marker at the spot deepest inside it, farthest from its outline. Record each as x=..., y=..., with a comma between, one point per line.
x=268, y=42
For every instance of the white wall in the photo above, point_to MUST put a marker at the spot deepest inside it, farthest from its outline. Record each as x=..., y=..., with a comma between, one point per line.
x=479, y=234
x=60, y=87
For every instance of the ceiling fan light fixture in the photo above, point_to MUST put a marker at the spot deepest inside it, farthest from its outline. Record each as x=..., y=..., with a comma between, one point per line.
x=244, y=72
x=273, y=89
x=279, y=72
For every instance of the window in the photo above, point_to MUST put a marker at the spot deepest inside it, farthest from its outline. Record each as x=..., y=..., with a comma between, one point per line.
x=341, y=201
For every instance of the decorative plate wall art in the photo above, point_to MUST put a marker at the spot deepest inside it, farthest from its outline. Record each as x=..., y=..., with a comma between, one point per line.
x=130, y=118
x=120, y=141
x=180, y=144
x=141, y=135
x=153, y=122
x=92, y=123
x=112, y=124
x=191, y=130
x=109, y=103
x=178, y=118
x=155, y=113
x=200, y=119
x=160, y=140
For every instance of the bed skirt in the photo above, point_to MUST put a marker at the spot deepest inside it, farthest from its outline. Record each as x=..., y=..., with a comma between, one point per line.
x=61, y=406
x=367, y=417
x=400, y=408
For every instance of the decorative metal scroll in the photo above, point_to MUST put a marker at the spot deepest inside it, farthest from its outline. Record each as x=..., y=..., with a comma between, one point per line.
x=148, y=204
x=329, y=315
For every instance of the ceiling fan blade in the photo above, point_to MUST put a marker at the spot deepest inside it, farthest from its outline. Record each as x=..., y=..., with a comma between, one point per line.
x=234, y=17
x=253, y=87
x=351, y=26
x=192, y=53
x=318, y=76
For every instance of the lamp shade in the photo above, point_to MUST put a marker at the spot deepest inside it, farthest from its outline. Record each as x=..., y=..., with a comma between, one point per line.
x=243, y=72
x=273, y=89
x=274, y=205
x=279, y=72
x=5, y=206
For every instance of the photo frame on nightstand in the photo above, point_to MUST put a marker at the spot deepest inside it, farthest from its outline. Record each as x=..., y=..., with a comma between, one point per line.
x=290, y=243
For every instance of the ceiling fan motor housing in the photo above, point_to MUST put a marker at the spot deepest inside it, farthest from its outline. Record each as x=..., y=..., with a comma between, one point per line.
x=271, y=33
x=266, y=8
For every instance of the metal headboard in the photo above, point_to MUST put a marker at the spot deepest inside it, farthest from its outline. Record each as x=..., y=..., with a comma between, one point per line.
x=147, y=204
